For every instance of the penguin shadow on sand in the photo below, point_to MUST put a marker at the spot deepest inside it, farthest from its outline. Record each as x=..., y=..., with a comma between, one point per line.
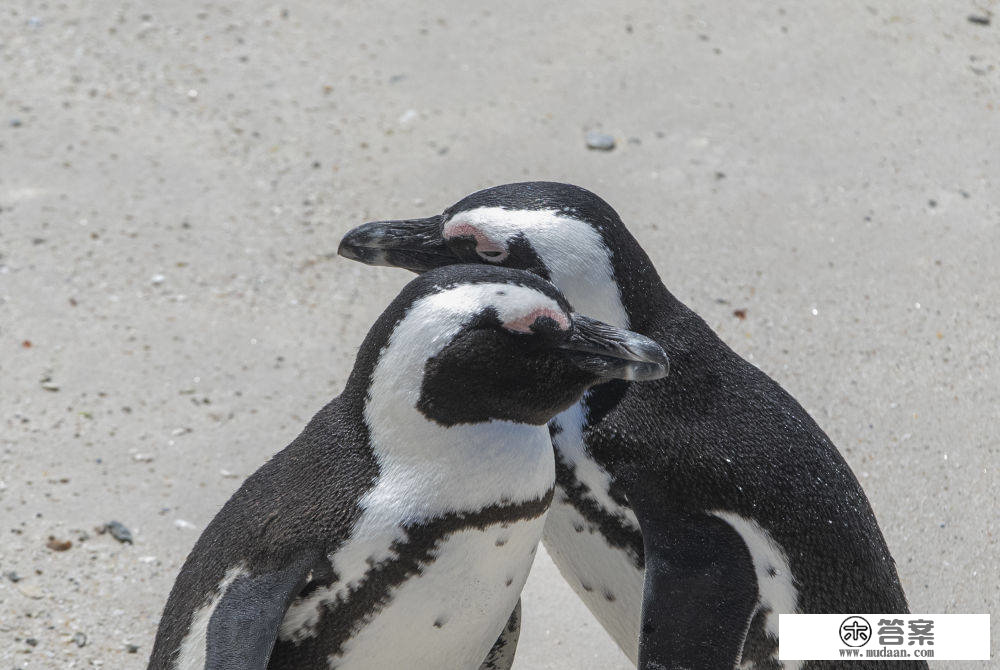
x=397, y=530
x=688, y=512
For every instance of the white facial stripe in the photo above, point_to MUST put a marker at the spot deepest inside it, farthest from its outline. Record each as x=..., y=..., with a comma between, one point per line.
x=578, y=261
x=517, y=306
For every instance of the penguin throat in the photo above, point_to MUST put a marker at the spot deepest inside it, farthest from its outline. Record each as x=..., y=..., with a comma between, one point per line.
x=459, y=467
x=599, y=299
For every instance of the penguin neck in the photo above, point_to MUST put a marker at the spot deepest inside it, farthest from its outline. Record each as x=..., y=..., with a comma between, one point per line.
x=434, y=468
x=650, y=307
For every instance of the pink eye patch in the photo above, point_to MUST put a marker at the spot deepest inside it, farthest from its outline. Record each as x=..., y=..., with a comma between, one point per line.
x=522, y=324
x=483, y=243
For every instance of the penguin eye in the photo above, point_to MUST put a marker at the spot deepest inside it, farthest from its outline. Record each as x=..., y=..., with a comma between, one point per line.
x=540, y=321
x=464, y=236
x=546, y=325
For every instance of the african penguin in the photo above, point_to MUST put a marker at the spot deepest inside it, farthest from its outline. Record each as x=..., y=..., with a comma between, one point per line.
x=691, y=511
x=397, y=530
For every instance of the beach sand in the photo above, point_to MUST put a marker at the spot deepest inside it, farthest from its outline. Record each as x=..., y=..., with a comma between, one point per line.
x=819, y=184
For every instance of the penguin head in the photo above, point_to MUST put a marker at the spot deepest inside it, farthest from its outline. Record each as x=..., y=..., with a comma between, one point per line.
x=560, y=232
x=473, y=343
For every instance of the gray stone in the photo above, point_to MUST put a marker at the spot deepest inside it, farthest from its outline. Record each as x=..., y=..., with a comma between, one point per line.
x=600, y=141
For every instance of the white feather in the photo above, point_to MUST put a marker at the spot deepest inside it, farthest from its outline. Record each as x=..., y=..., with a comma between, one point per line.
x=578, y=261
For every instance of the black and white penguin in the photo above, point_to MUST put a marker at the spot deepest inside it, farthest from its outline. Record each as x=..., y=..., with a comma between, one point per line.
x=691, y=511
x=398, y=529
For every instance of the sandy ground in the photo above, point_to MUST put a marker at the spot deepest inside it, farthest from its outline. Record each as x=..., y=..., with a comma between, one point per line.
x=174, y=180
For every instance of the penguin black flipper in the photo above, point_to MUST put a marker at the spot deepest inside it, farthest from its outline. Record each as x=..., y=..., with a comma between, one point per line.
x=244, y=626
x=695, y=564
x=501, y=656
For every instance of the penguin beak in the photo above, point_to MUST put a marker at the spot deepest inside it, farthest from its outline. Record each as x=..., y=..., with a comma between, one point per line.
x=614, y=353
x=411, y=244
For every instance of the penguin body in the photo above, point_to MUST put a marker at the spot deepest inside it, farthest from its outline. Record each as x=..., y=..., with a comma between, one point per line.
x=397, y=530
x=688, y=512
x=594, y=541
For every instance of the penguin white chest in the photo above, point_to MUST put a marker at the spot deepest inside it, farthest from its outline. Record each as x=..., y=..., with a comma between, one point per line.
x=594, y=541
x=431, y=595
x=451, y=613
x=436, y=562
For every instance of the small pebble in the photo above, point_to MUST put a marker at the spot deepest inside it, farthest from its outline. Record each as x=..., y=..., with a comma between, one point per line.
x=181, y=523
x=15, y=123
x=13, y=576
x=56, y=544
x=157, y=279
x=80, y=639
x=30, y=591
x=31, y=642
x=49, y=385
x=131, y=648
x=979, y=19
x=600, y=141
x=119, y=531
